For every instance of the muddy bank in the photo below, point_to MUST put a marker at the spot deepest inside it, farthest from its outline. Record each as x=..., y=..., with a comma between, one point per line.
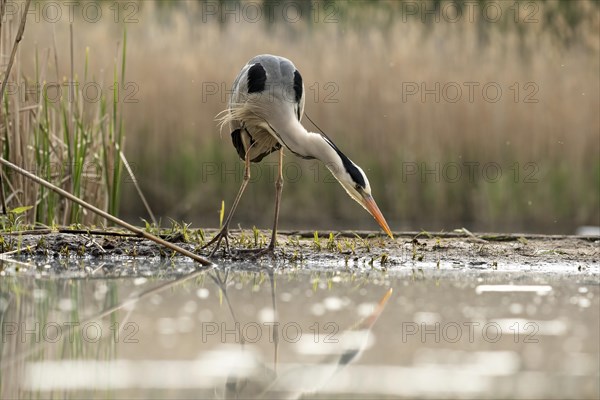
x=330, y=250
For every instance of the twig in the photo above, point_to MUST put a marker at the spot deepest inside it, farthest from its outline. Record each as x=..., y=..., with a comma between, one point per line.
x=468, y=233
x=2, y=11
x=93, y=232
x=14, y=49
x=98, y=268
x=135, y=184
x=106, y=215
x=7, y=74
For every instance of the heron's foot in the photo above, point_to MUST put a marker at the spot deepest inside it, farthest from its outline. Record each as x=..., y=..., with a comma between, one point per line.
x=219, y=237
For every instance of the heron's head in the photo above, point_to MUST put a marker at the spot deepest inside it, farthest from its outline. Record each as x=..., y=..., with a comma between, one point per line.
x=354, y=180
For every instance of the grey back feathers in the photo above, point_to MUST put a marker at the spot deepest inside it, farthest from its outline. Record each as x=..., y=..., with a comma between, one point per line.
x=267, y=87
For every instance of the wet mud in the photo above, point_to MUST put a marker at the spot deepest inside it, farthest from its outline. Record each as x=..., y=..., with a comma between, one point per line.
x=110, y=251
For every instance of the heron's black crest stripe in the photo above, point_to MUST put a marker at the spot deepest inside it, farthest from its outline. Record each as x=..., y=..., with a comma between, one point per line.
x=349, y=166
x=257, y=76
x=236, y=138
x=297, y=85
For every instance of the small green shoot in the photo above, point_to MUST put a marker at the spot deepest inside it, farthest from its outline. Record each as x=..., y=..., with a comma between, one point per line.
x=256, y=234
x=365, y=242
x=317, y=241
x=221, y=214
x=331, y=242
x=293, y=241
x=13, y=220
x=200, y=236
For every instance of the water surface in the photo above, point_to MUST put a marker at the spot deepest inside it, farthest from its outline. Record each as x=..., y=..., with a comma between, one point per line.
x=269, y=332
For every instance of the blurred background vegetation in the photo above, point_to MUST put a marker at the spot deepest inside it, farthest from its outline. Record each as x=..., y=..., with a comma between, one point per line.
x=476, y=114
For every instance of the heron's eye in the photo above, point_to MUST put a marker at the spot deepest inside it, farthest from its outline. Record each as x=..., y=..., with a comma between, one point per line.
x=358, y=187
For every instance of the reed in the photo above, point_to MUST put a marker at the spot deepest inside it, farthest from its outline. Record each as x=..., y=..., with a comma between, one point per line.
x=50, y=127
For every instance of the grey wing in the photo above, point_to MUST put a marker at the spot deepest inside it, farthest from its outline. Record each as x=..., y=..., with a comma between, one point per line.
x=241, y=116
x=268, y=87
x=238, y=137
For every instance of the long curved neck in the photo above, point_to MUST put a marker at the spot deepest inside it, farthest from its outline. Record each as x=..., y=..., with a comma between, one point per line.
x=314, y=145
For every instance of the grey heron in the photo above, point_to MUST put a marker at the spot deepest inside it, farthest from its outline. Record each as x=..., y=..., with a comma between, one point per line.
x=264, y=113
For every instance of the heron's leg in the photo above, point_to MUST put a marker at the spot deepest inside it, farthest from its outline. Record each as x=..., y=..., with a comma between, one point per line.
x=223, y=233
x=278, y=189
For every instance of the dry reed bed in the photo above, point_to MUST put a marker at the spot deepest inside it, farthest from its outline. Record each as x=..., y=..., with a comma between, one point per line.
x=172, y=136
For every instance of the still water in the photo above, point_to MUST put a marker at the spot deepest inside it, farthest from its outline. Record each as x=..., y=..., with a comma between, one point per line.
x=268, y=332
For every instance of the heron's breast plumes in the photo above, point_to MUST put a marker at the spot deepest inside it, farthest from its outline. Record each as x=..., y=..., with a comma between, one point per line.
x=251, y=130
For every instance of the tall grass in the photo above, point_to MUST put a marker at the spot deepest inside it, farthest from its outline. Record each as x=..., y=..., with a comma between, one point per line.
x=49, y=127
x=355, y=71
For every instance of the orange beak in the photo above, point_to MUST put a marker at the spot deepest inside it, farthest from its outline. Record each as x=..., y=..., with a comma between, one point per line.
x=371, y=206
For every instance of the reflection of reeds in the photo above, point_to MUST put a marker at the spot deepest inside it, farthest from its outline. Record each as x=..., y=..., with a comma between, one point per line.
x=41, y=331
x=547, y=150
